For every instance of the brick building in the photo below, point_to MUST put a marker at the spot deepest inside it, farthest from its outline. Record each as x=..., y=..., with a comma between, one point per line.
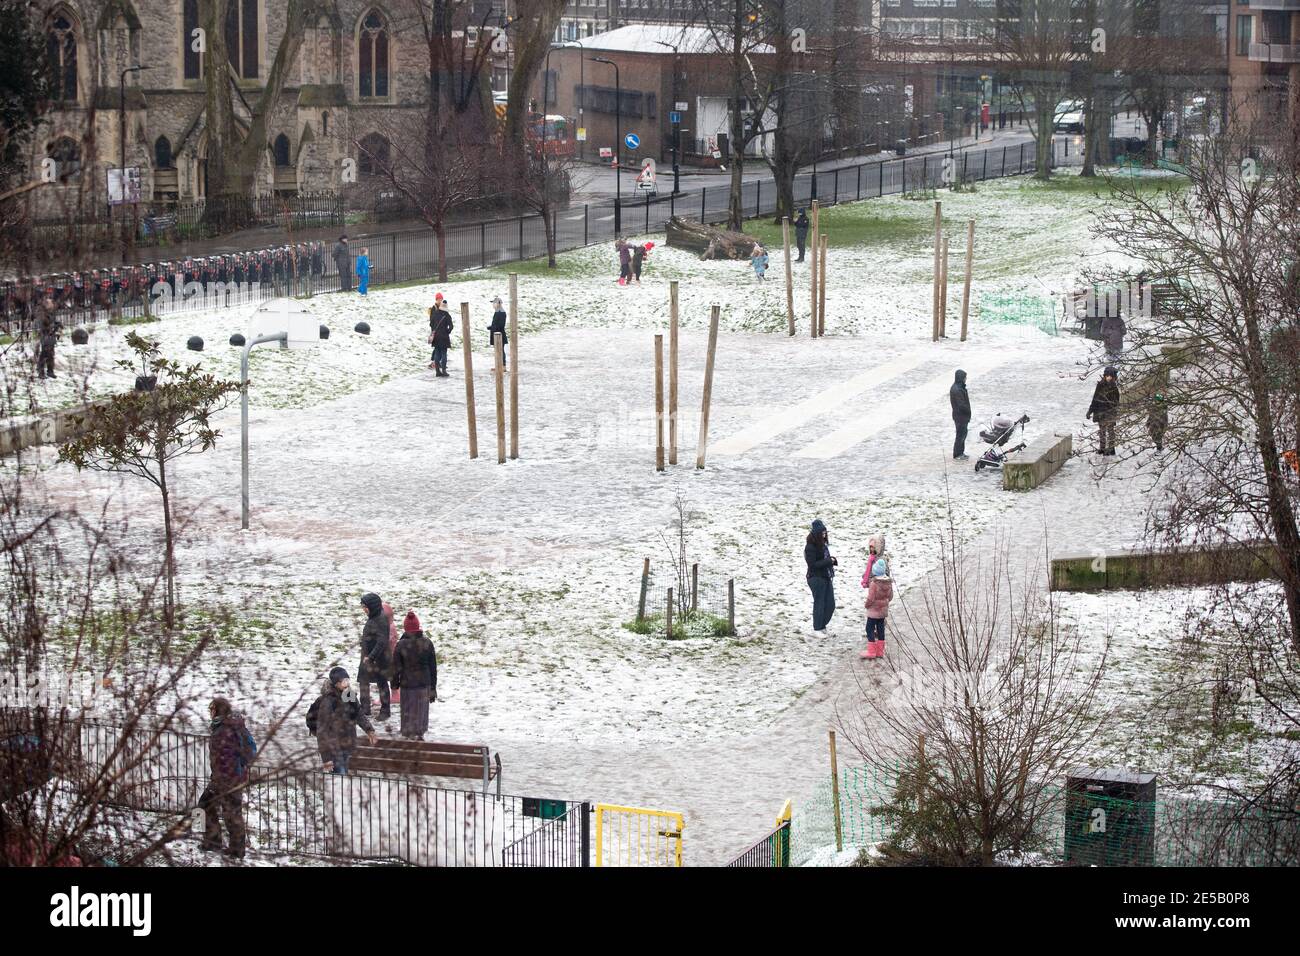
x=1264, y=58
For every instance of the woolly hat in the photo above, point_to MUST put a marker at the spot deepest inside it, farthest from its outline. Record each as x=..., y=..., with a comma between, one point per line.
x=371, y=601
x=818, y=525
x=880, y=567
x=338, y=674
x=411, y=624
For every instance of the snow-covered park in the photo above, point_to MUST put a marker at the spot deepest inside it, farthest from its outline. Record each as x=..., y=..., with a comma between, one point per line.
x=525, y=573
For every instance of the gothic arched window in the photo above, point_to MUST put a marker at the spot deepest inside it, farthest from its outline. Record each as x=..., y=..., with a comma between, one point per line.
x=61, y=45
x=162, y=153
x=281, y=150
x=372, y=53
x=241, y=37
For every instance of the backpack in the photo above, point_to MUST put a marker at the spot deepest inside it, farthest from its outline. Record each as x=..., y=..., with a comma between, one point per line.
x=313, y=716
x=247, y=751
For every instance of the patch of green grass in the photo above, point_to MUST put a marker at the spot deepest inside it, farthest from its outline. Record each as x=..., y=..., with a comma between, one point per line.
x=6, y=339
x=849, y=225
x=695, y=624
x=133, y=319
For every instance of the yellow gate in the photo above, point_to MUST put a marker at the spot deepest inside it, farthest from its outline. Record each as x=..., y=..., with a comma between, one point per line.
x=631, y=836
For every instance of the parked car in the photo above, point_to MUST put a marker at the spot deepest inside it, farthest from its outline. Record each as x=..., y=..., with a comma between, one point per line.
x=1069, y=117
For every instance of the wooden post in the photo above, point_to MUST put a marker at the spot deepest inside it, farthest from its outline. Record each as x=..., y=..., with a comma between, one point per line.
x=821, y=288
x=695, y=587
x=943, y=291
x=514, y=365
x=934, y=289
x=731, y=606
x=499, y=356
x=813, y=264
x=668, y=615
x=659, y=403
x=789, y=274
x=708, y=386
x=672, y=372
x=965, y=295
x=645, y=584
x=835, y=781
x=469, y=380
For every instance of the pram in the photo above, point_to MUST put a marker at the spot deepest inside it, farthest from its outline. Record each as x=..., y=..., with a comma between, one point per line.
x=996, y=435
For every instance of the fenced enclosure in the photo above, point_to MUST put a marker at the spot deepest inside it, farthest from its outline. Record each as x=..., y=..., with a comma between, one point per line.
x=678, y=605
x=771, y=850
x=416, y=254
x=1019, y=308
x=1173, y=831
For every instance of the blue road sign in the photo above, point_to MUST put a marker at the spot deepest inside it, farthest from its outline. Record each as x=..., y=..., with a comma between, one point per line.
x=632, y=140
x=674, y=117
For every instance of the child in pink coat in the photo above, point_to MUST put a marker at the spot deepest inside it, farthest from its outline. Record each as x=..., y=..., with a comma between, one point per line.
x=879, y=593
x=873, y=552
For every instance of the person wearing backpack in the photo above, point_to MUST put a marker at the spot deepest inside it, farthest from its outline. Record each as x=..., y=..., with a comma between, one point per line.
x=333, y=719
x=231, y=750
x=375, y=659
x=415, y=672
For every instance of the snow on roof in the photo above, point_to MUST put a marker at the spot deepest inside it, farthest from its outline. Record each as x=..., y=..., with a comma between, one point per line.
x=652, y=37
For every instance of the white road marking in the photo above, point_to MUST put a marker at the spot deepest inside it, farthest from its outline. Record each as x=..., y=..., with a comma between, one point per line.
x=885, y=414
x=776, y=424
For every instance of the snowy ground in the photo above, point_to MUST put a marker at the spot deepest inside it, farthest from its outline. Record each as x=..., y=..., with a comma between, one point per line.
x=524, y=573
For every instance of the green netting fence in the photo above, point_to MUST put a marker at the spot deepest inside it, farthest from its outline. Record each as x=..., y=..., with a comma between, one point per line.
x=1077, y=828
x=1019, y=308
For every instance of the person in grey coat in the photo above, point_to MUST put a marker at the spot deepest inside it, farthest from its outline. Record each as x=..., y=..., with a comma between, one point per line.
x=415, y=674
x=1112, y=336
x=959, y=398
x=343, y=262
x=821, y=572
x=338, y=714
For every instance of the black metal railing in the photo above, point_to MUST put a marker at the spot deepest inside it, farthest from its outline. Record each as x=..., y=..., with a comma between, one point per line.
x=564, y=840
x=772, y=850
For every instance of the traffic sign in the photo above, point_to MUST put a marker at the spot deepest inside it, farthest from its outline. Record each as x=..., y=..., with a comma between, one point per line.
x=632, y=140
x=646, y=178
x=582, y=134
x=674, y=118
x=680, y=107
x=606, y=152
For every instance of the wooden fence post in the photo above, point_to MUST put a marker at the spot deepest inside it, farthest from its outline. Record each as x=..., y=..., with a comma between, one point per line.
x=943, y=291
x=835, y=780
x=789, y=274
x=659, y=403
x=708, y=386
x=645, y=584
x=695, y=587
x=499, y=357
x=731, y=607
x=469, y=379
x=668, y=615
x=672, y=372
x=934, y=289
x=514, y=365
x=813, y=263
x=965, y=296
x=821, y=288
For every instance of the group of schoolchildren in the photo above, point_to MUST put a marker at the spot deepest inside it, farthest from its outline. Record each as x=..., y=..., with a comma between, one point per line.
x=876, y=579
x=631, y=260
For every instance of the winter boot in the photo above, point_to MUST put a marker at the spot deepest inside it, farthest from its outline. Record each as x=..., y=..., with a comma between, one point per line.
x=869, y=653
x=880, y=647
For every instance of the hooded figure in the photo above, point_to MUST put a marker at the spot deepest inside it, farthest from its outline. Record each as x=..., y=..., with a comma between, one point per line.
x=821, y=569
x=1112, y=336
x=1158, y=420
x=498, y=327
x=960, y=401
x=230, y=753
x=1104, y=408
x=879, y=593
x=374, y=656
x=343, y=262
x=415, y=671
x=338, y=713
x=801, y=232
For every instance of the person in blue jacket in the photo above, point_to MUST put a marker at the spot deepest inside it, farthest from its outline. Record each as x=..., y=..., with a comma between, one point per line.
x=363, y=271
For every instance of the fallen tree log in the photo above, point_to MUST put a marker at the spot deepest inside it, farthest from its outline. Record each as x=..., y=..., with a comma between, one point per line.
x=708, y=241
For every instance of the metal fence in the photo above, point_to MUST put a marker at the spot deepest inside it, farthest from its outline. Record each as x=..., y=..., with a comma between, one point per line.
x=772, y=850
x=416, y=254
x=564, y=840
x=685, y=607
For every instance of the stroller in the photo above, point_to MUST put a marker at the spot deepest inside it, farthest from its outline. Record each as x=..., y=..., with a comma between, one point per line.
x=996, y=435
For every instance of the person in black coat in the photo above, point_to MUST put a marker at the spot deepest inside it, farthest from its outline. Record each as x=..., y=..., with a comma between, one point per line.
x=1105, y=408
x=801, y=233
x=821, y=571
x=375, y=659
x=1158, y=420
x=960, y=401
x=498, y=327
x=343, y=262
x=47, y=327
x=415, y=674
x=440, y=327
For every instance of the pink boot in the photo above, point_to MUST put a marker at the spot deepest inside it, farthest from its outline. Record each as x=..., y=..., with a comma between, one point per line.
x=880, y=648
x=867, y=654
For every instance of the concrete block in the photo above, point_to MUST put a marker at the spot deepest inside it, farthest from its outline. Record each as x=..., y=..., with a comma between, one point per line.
x=1038, y=462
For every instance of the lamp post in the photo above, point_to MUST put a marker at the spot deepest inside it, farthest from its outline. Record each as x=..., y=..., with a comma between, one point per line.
x=618, y=144
x=677, y=127
x=121, y=136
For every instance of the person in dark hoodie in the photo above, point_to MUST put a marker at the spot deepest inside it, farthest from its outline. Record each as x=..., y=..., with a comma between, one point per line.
x=230, y=752
x=1105, y=408
x=415, y=673
x=821, y=571
x=1112, y=335
x=1158, y=420
x=343, y=263
x=960, y=401
x=801, y=233
x=498, y=327
x=374, y=655
x=338, y=713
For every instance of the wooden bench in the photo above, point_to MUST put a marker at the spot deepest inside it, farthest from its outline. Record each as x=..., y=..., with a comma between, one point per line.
x=428, y=759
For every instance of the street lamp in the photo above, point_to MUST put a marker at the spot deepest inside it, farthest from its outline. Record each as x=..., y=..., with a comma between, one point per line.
x=677, y=130
x=618, y=144
x=121, y=136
